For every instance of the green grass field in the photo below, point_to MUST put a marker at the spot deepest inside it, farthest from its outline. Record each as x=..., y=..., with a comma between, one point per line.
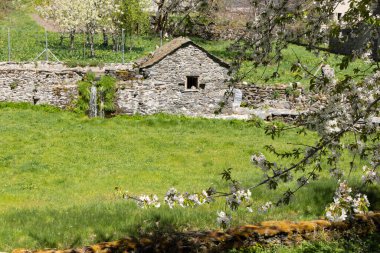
x=59, y=170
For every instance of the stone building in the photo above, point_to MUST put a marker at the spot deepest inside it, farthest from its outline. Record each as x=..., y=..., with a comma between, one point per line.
x=353, y=40
x=180, y=78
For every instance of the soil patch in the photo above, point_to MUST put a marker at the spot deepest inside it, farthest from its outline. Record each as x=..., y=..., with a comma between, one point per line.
x=48, y=25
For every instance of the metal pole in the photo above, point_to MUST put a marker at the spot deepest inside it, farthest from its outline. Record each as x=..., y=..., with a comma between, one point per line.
x=46, y=46
x=84, y=44
x=9, y=44
x=161, y=35
x=123, y=44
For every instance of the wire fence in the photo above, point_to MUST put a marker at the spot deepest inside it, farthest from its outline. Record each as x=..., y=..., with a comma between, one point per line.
x=30, y=44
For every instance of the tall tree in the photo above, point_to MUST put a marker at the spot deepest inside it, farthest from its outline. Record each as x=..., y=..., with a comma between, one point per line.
x=346, y=107
x=134, y=17
x=89, y=16
x=166, y=8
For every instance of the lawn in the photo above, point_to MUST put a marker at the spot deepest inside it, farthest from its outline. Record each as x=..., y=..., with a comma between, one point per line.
x=59, y=171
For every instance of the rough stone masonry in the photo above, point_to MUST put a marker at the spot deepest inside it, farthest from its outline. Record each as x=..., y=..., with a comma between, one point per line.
x=179, y=78
x=163, y=89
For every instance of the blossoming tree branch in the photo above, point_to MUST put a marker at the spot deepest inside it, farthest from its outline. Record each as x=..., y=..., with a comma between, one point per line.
x=342, y=111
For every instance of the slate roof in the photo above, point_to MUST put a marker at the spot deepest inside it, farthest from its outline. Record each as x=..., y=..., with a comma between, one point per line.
x=172, y=47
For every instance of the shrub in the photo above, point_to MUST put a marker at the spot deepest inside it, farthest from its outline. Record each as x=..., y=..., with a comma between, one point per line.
x=106, y=87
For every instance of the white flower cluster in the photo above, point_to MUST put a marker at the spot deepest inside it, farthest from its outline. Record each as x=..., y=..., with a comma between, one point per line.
x=264, y=208
x=331, y=126
x=336, y=173
x=223, y=219
x=344, y=204
x=360, y=203
x=335, y=213
x=237, y=198
x=336, y=110
x=370, y=175
x=145, y=201
x=260, y=161
x=88, y=15
x=173, y=197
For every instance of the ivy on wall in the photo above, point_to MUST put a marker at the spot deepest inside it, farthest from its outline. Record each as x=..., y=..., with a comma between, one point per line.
x=106, y=93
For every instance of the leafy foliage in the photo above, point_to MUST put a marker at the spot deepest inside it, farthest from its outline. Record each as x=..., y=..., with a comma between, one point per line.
x=106, y=87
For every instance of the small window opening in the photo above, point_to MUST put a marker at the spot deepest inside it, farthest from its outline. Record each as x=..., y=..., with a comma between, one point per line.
x=339, y=16
x=192, y=83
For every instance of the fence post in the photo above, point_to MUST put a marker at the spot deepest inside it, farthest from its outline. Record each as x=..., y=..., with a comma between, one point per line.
x=84, y=44
x=123, y=44
x=9, y=44
x=46, y=46
x=161, y=37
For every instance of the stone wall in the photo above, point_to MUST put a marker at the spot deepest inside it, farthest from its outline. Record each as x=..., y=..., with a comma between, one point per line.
x=144, y=97
x=261, y=235
x=162, y=90
x=164, y=87
x=45, y=83
x=38, y=84
x=280, y=97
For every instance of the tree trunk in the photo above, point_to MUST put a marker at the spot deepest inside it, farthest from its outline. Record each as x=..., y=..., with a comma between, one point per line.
x=105, y=38
x=115, y=42
x=72, y=37
x=130, y=42
x=92, y=49
x=159, y=16
x=61, y=37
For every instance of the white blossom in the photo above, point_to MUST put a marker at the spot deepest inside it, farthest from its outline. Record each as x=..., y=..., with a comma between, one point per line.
x=336, y=173
x=369, y=175
x=332, y=126
x=344, y=204
x=145, y=201
x=237, y=198
x=173, y=197
x=223, y=219
x=360, y=204
x=264, y=208
x=335, y=213
x=260, y=161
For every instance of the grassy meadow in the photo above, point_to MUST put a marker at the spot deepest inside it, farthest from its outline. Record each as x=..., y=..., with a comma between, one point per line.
x=59, y=171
